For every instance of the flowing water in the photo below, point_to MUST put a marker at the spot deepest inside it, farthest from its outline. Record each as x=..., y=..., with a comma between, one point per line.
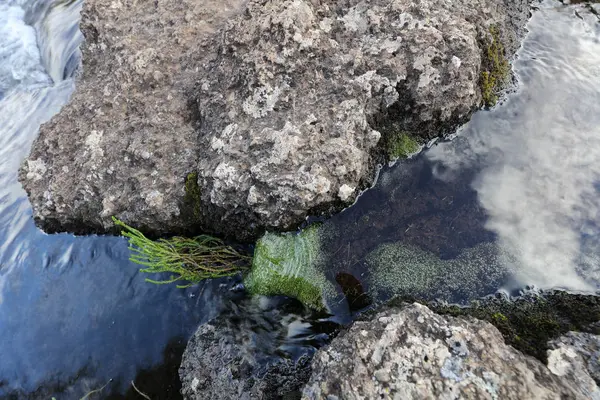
x=513, y=200
x=74, y=313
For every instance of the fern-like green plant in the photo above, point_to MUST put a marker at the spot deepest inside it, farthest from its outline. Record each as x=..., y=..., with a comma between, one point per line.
x=190, y=260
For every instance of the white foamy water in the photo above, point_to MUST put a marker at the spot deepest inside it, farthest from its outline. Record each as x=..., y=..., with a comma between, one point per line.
x=20, y=61
x=540, y=152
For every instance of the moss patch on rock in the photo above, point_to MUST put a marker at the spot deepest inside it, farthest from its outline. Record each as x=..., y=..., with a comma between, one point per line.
x=192, y=195
x=495, y=68
x=530, y=322
x=401, y=145
x=288, y=264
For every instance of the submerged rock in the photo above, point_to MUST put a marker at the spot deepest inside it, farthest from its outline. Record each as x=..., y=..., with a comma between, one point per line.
x=175, y=127
x=413, y=353
x=247, y=353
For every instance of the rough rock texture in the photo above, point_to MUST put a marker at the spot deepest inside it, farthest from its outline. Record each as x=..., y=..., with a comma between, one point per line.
x=576, y=356
x=125, y=142
x=413, y=353
x=292, y=99
x=238, y=356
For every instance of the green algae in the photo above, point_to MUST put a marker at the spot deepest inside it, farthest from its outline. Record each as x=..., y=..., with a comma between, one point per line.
x=400, y=269
x=401, y=145
x=288, y=264
x=192, y=198
x=495, y=68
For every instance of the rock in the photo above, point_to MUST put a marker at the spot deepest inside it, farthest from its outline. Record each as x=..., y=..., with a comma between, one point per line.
x=576, y=356
x=238, y=355
x=126, y=141
x=413, y=353
x=295, y=101
x=286, y=119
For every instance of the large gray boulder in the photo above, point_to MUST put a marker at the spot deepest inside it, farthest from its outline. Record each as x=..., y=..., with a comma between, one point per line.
x=177, y=126
x=126, y=141
x=413, y=353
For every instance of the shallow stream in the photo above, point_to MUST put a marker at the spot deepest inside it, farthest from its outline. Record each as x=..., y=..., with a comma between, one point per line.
x=512, y=201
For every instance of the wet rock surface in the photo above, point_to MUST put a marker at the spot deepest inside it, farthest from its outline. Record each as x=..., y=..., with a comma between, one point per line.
x=249, y=353
x=411, y=352
x=279, y=113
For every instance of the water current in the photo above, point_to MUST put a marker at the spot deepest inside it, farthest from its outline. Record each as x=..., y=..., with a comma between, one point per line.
x=512, y=201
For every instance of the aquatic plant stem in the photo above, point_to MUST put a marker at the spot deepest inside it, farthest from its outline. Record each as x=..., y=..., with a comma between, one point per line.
x=189, y=259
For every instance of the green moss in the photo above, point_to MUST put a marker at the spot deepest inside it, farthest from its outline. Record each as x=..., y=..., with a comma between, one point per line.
x=401, y=145
x=192, y=197
x=400, y=269
x=530, y=322
x=495, y=68
x=288, y=264
x=499, y=317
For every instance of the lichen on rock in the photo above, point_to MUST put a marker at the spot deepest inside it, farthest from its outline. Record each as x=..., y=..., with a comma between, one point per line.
x=279, y=106
x=289, y=265
x=410, y=352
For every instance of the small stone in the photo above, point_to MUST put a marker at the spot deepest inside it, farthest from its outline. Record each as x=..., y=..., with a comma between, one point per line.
x=382, y=375
x=345, y=192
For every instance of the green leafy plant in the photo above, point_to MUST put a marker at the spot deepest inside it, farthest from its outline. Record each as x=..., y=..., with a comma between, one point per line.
x=190, y=260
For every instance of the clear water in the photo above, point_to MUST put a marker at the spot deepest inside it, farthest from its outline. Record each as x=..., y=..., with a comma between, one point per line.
x=539, y=154
x=512, y=201
x=74, y=313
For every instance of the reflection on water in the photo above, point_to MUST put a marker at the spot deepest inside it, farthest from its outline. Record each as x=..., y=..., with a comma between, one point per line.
x=541, y=154
x=513, y=200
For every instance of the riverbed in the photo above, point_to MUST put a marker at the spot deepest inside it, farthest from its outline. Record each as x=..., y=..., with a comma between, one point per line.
x=511, y=202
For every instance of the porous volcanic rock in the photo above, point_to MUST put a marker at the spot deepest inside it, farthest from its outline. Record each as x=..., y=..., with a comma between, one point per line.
x=279, y=113
x=126, y=141
x=242, y=355
x=413, y=353
x=576, y=356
